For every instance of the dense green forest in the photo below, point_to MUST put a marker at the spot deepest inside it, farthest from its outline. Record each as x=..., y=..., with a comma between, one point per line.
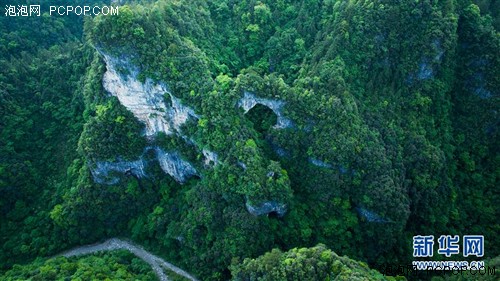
x=117, y=266
x=248, y=139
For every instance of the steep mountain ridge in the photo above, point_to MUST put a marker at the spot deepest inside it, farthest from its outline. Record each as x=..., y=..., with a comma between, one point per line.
x=215, y=131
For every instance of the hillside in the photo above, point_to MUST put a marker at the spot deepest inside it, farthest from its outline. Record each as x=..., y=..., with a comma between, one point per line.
x=212, y=132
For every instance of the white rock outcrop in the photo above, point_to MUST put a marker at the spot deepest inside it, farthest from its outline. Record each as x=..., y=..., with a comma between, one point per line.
x=172, y=164
x=319, y=163
x=322, y=164
x=145, y=100
x=370, y=216
x=267, y=207
x=211, y=158
x=160, y=111
x=428, y=65
x=179, y=114
x=249, y=100
x=425, y=70
x=102, y=172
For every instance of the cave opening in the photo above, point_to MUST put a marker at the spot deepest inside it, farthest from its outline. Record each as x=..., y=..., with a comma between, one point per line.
x=262, y=118
x=273, y=215
x=195, y=177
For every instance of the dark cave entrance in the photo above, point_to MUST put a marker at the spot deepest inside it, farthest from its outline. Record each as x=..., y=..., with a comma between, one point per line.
x=195, y=177
x=273, y=215
x=262, y=117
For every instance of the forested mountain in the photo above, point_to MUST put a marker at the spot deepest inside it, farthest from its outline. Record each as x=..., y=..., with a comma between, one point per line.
x=212, y=132
x=116, y=266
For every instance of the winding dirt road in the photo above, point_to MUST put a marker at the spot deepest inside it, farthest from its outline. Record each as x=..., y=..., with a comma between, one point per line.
x=157, y=263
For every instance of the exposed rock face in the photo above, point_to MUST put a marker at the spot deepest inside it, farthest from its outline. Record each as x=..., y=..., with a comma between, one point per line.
x=483, y=93
x=425, y=71
x=101, y=170
x=180, y=113
x=438, y=49
x=319, y=163
x=211, y=158
x=266, y=208
x=249, y=100
x=280, y=151
x=172, y=164
x=242, y=165
x=145, y=100
x=158, y=109
x=427, y=66
x=370, y=216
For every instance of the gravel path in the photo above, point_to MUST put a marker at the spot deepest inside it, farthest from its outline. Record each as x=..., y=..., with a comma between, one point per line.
x=116, y=244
